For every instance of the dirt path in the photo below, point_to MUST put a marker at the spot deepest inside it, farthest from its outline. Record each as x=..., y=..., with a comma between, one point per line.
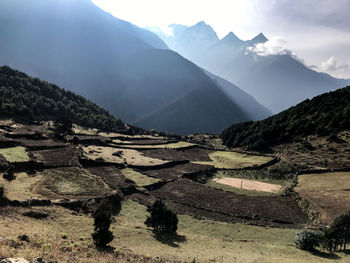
x=248, y=184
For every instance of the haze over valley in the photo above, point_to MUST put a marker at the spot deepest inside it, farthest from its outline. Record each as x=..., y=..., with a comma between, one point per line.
x=166, y=132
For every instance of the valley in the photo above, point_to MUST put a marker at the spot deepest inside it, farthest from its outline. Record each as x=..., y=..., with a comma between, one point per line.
x=131, y=142
x=62, y=181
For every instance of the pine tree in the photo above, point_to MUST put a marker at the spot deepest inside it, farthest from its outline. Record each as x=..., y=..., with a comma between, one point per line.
x=161, y=219
x=102, y=221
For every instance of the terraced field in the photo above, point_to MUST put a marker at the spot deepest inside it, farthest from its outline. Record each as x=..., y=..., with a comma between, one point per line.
x=86, y=165
x=234, y=160
x=328, y=193
x=15, y=154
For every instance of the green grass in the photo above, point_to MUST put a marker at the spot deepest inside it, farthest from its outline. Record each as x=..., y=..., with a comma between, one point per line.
x=211, y=241
x=235, y=160
x=324, y=181
x=73, y=181
x=15, y=154
x=82, y=130
x=139, y=178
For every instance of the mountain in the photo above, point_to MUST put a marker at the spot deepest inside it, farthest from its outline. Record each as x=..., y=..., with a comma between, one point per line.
x=255, y=110
x=276, y=81
x=125, y=69
x=26, y=98
x=324, y=115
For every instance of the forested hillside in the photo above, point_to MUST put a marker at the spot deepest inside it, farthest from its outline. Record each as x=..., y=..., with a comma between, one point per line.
x=323, y=115
x=30, y=98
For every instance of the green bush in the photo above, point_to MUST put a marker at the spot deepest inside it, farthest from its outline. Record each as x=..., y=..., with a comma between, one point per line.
x=337, y=237
x=3, y=199
x=161, y=219
x=308, y=239
x=102, y=221
x=9, y=175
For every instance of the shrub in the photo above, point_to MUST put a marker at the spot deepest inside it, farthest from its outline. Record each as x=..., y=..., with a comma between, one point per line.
x=9, y=175
x=337, y=237
x=3, y=199
x=161, y=218
x=308, y=239
x=102, y=221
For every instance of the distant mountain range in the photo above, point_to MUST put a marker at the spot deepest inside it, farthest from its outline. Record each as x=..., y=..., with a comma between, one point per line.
x=127, y=70
x=276, y=81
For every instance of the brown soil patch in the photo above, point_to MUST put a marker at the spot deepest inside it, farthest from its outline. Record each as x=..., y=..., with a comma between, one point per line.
x=248, y=184
x=111, y=175
x=142, y=142
x=279, y=209
x=177, y=171
x=192, y=154
x=66, y=156
x=39, y=144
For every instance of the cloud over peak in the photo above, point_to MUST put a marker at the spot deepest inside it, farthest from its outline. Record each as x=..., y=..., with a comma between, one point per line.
x=274, y=46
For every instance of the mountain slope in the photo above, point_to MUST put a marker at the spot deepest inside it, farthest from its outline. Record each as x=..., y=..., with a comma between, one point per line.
x=27, y=98
x=255, y=110
x=276, y=81
x=127, y=70
x=324, y=115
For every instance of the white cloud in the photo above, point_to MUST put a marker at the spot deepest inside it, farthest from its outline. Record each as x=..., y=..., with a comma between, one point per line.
x=275, y=46
x=331, y=66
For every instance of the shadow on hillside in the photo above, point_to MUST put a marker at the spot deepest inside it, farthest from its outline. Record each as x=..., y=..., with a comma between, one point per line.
x=169, y=238
x=107, y=249
x=325, y=255
x=347, y=251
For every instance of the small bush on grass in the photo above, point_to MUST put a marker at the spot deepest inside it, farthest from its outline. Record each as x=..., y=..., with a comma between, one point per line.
x=102, y=221
x=308, y=240
x=337, y=237
x=9, y=175
x=3, y=199
x=161, y=218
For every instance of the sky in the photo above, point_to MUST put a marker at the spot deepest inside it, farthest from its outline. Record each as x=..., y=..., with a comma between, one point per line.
x=317, y=32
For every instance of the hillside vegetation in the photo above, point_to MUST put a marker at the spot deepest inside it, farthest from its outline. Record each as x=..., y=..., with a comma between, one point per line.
x=324, y=115
x=30, y=98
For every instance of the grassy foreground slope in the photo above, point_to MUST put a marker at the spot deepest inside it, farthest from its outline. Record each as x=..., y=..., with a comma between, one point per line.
x=202, y=240
x=323, y=115
x=22, y=96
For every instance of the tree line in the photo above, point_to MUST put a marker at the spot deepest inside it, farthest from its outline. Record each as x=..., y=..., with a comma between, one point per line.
x=30, y=98
x=324, y=115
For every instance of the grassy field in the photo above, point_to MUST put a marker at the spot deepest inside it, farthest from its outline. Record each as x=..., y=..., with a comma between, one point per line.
x=129, y=156
x=15, y=154
x=71, y=181
x=177, y=145
x=203, y=240
x=139, y=178
x=82, y=130
x=235, y=160
x=54, y=184
x=328, y=193
x=210, y=241
x=22, y=188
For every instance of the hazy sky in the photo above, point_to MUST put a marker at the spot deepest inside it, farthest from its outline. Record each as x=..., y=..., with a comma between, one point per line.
x=316, y=31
